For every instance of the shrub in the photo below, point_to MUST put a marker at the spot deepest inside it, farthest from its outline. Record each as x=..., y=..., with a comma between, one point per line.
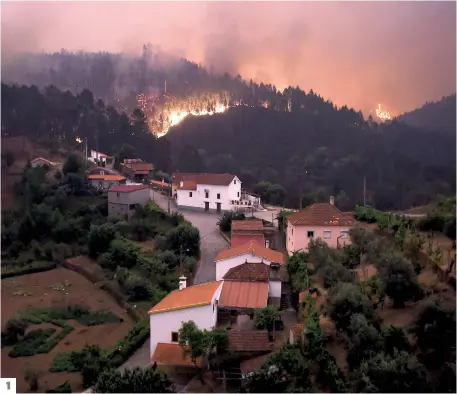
x=225, y=221
x=345, y=300
x=265, y=318
x=32, y=343
x=184, y=239
x=61, y=388
x=100, y=238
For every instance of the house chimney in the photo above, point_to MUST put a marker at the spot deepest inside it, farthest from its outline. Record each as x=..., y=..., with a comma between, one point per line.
x=181, y=184
x=332, y=200
x=267, y=243
x=182, y=282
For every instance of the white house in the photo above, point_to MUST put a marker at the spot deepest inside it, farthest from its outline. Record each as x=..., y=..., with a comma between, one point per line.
x=197, y=303
x=251, y=252
x=123, y=199
x=105, y=160
x=208, y=192
x=40, y=161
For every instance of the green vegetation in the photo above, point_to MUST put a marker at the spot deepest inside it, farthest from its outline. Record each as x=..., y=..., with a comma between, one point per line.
x=225, y=221
x=135, y=380
x=202, y=343
x=44, y=340
x=61, y=388
x=265, y=318
x=12, y=269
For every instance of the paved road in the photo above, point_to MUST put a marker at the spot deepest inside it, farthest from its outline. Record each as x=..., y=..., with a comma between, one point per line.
x=211, y=241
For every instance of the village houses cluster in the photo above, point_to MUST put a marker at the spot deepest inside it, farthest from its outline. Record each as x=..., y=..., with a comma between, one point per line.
x=250, y=274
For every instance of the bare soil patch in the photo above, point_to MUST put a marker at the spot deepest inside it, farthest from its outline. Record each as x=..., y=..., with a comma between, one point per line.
x=44, y=290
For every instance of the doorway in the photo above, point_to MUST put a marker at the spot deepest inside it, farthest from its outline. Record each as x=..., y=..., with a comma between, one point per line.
x=218, y=207
x=206, y=206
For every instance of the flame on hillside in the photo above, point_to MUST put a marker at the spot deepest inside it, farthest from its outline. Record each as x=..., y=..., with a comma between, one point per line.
x=165, y=111
x=383, y=114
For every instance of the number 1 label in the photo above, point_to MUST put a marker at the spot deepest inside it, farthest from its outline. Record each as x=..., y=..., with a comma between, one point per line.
x=8, y=386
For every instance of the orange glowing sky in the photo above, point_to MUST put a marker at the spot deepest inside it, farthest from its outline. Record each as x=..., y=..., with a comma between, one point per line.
x=400, y=54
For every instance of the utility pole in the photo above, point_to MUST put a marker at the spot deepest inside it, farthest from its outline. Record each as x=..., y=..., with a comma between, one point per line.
x=364, y=190
x=86, y=153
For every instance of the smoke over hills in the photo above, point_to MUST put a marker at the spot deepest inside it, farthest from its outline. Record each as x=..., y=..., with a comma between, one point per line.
x=358, y=54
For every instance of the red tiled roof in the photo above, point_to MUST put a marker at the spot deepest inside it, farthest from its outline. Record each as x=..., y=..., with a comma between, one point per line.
x=252, y=295
x=203, y=178
x=249, y=341
x=241, y=239
x=127, y=188
x=320, y=214
x=247, y=225
x=42, y=158
x=249, y=272
x=188, y=185
x=254, y=249
x=140, y=166
x=173, y=354
x=191, y=296
x=107, y=177
x=141, y=172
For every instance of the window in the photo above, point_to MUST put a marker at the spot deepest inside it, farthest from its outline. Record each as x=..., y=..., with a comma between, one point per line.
x=234, y=181
x=206, y=194
x=218, y=196
x=344, y=234
x=292, y=231
x=327, y=234
x=190, y=194
x=118, y=194
x=238, y=194
x=132, y=207
x=174, y=337
x=310, y=234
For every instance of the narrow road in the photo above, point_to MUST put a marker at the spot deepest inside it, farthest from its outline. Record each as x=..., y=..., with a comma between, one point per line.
x=211, y=241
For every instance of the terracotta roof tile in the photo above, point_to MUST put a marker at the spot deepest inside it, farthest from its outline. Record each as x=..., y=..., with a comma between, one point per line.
x=140, y=166
x=254, y=249
x=160, y=183
x=108, y=177
x=249, y=272
x=173, y=354
x=241, y=239
x=252, y=295
x=188, y=185
x=320, y=214
x=189, y=297
x=249, y=341
x=203, y=178
x=247, y=225
x=127, y=188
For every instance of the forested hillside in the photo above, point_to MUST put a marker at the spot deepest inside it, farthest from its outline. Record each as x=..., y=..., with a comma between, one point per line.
x=57, y=117
x=403, y=166
x=297, y=145
x=437, y=116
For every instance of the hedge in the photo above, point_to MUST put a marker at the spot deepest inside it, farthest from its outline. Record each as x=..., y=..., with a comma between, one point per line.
x=32, y=268
x=34, y=342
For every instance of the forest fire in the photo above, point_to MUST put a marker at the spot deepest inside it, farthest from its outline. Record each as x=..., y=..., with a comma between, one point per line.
x=382, y=113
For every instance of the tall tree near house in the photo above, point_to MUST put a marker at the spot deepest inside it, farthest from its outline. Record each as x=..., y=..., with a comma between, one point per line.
x=202, y=343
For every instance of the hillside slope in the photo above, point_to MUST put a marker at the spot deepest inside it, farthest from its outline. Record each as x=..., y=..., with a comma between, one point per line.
x=437, y=116
x=403, y=166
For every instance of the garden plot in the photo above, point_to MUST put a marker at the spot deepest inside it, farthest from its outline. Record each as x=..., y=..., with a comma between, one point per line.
x=64, y=312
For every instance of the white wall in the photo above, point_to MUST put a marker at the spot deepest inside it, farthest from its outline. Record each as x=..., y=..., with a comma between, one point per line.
x=223, y=266
x=274, y=288
x=141, y=196
x=198, y=199
x=163, y=324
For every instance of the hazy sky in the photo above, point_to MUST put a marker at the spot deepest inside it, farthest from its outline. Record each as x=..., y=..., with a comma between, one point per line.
x=400, y=54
